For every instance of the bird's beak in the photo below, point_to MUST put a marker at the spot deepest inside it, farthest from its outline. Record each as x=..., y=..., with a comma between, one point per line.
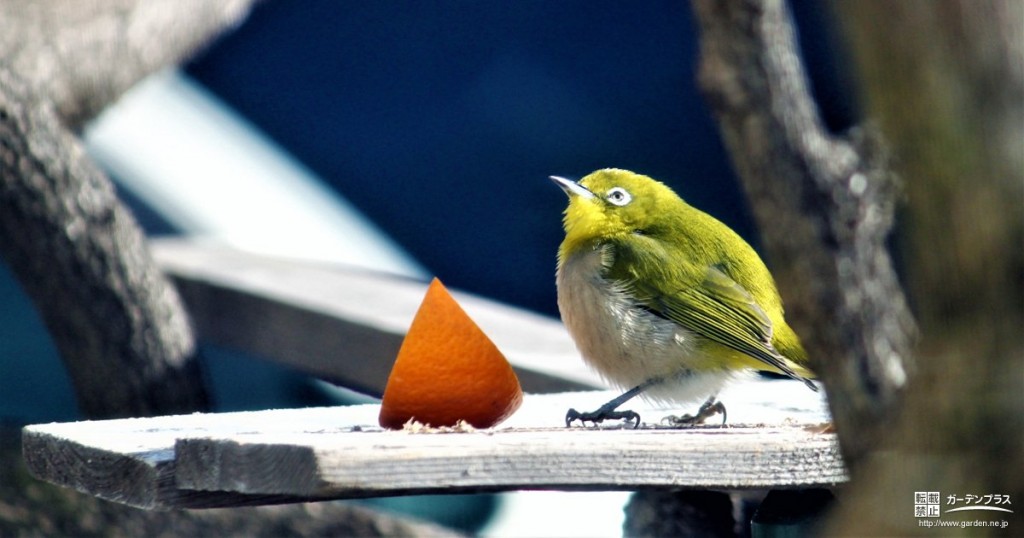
x=572, y=188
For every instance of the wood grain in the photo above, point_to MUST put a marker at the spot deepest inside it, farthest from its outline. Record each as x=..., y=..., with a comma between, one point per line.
x=345, y=325
x=337, y=464
x=774, y=440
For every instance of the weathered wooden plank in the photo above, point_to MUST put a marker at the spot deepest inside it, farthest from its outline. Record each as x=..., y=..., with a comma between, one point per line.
x=132, y=461
x=100, y=471
x=774, y=440
x=339, y=463
x=202, y=460
x=346, y=325
x=133, y=470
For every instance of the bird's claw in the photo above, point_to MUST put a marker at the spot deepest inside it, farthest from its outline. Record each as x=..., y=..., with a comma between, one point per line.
x=707, y=410
x=601, y=415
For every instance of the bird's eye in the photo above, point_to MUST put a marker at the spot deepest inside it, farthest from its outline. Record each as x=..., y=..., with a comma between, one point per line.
x=618, y=196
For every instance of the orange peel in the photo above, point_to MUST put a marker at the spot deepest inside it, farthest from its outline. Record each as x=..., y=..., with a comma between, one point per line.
x=448, y=370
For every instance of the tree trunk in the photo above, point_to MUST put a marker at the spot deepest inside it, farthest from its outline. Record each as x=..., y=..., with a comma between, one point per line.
x=946, y=82
x=824, y=205
x=82, y=55
x=77, y=251
x=117, y=323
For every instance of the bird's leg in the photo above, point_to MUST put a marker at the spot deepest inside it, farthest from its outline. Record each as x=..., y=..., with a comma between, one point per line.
x=608, y=412
x=708, y=409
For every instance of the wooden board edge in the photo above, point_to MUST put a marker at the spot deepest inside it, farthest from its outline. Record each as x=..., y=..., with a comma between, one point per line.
x=95, y=471
x=280, y=468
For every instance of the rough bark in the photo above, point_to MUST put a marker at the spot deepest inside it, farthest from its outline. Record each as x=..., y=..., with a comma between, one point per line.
x=83, y=54
x=708, y=514
x=946, y=82
x=116, y=321
x=824, y=204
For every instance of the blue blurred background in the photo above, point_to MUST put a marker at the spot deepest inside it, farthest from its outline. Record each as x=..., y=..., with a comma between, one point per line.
x=440, y=123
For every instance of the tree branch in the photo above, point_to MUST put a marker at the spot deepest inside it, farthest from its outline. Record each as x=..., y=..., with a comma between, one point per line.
x=825, y=208
x=118, y=324
x=946, y=82
x=84, y=54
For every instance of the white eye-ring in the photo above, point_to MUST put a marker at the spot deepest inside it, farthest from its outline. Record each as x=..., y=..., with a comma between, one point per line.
x=618, y=196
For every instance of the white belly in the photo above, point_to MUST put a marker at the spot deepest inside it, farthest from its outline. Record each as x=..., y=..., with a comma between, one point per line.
x=627, y=345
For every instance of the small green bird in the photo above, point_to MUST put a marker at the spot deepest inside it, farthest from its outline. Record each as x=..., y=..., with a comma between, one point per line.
x=663, y=299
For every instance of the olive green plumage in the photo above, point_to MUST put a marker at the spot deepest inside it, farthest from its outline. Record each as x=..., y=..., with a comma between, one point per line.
x=651, y=287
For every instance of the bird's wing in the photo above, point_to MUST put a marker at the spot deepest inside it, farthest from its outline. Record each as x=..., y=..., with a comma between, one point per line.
x=723, y=311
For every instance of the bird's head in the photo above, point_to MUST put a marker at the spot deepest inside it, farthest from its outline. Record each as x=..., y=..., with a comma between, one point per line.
x=613, y=203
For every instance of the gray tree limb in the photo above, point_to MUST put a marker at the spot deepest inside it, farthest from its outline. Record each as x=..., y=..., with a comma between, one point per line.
x=83, y=54
x=825, y=207
x=945, y=81
x=77, y=251
x=116, y=321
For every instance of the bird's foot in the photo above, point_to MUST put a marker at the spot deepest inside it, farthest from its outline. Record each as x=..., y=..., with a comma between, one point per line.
x=707, y=410
x=602, y=414
x=608, y=412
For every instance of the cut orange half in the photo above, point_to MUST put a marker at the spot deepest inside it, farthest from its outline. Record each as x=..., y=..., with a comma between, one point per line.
x=448, y=370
